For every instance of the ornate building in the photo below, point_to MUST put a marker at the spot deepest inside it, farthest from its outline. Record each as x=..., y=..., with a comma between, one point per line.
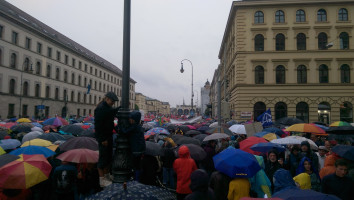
x=205, y=99
x=149, y=105
x=44, y=73
x=292, y=56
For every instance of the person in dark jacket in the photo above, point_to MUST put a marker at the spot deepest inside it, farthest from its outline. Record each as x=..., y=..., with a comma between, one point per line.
x=167, y=163
x=219, y=182
x=283, y=180
x=307, y=152
x=293, y=160
x=305, y=166
x=199, y=186
x=88, y=181
x=272, y=165
x=149, y=168
x=104, y=124
x=208, y=163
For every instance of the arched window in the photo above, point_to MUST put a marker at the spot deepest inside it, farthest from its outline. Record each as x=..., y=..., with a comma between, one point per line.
x=73, y=78
x=301, y=74
x=49, y=68
x=25, y=89
x=259, y=75
x=323, y=73
x=259, y=17
x=324, y=112
x=57, y=74
x=300, y=16
x=78, y=97
x=344, y=40
x=280, y=74
x=259, y=42
x=72, y=96
x=38, y=68
x=279, y=16
x=12, y=86
x=13, y=60
x=26, y=64
x=343, y=14
x=56, y=96
x=280, y=42
x=281, y=110
x=346, y=112
x=47, y=92
x=65, y=76
x=302, y=111
x=301, y=41
x=37, y=90
x=258, y=109
x=322, y=40
x=321, y=15
x=345, y=74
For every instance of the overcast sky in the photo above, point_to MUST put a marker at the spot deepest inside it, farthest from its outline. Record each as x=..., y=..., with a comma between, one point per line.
x=163, y=32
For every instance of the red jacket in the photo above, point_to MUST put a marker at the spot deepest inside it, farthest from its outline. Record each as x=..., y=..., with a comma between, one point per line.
x=184, y=166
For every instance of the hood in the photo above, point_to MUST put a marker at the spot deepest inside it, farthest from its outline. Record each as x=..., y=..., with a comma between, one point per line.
x=330, y=160
x=303, y=180
x=301, y=169
x=199, y=180
x=136, y=116
x=183, y=152
x=283, y=180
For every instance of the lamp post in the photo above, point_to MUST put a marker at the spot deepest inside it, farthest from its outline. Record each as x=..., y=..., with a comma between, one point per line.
x=182, y=70
x=21, y=92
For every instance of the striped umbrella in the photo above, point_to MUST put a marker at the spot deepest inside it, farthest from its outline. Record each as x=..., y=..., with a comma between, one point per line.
x=339, y=123
x=306, y=128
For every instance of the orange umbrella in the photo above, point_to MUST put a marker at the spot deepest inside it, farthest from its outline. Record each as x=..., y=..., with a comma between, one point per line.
x=306, y=128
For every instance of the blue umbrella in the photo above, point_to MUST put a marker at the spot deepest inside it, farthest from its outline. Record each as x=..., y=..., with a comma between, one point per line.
x=322, y=126
x=261, y=134
x=31, y=150
x=344, y=151
x=274, y=130
x=265, y=147
x=37, y=124
x=298, y=194
x=9, y=144
x=236, y=163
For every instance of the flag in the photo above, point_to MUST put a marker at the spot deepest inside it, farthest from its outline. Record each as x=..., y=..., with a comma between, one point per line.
x=265, y=118
x=88, y=89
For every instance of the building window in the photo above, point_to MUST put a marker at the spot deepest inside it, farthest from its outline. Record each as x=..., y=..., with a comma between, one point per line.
x=281, y=110
x=24, y=110
x=99, y=87
x=323, y=73
x=37, y=90
x=90, y=99
x=25, y=89
x=259, y=75
x=301, y=41
x=39, y=48
x=322, y=41
x=28, y=43
x=12, y=86
x=49, y=52
x=258, y=109
x=65, y=95
x=85, y=82
x=279, y=42
x=66, y=60
x=65, y=76
x=58, y=56
x=49, y=69
x=1, y=31
x=57, y=74
x=344, y=40
x=47, y=92
x=104, y=87
x=11, y=111
x=346, y=112
x=26, y=64
x=72, y=96
x=85, y=67
x=78, y=97
x=259, y=43
x=90, y=70
x=80, y=65
x=280, y=74
x=73, y=62
x=38, y=68
x=84, y=97
x=259, y=17
x=79, y=81
x=95, y=72
x=95, y=85
x=95, y=100
x=300, y=16
x=78, y=112
x=14, y=37
x=279, y=16
x=324, y=112
x=101, y=74
x=302, y=111
x=56, y=96
x=84, y=113
x=301, y=74
x=321, y=15
x=345, y=74
x=343, y=14
x=13, y=60
x=73, y=78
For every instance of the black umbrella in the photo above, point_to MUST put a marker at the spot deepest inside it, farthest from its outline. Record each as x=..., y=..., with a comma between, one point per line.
x=200, y=137
x=75, y=130
x=183, y=128
x=7, y=158
x=21, y=128
x=288, y=121
x=197, y=152
x=344, y=151
x=341, y=130
x=187, y=140
x=3, y=134
x=219, y=129
x=80, y=143
x=203, y=128
x=88, y=133
x=52, y=137
x=342, y=138
x=153, y=149
x=192, y=133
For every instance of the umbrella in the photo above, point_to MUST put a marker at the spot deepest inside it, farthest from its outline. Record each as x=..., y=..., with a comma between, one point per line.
x=36, y=128
x=25, y=172
x=183, y=128
x=36, y=124
x=21, y=128
x=9, y=144
x=339, y=123
x=342, y=130
x=298, y=194
x=7, y=158
x=294, y=140
x=153, y=149
x=203, y=128
x=31, y=135
x=187, y=140
x=197, y=152
x=89, y=119
x=8, y=125
x=288, y=121
x=86, y=133
x=238, y=128
x=21, y=120
x=79, y=156
x=231, y=122
x=52, y=137
x=219, y=129
x=265, y=147
x=214, y=124
x=191, y=133
x=200, y=137
x=80, y=143
x=31, y=150
x=37, y=142
x=2, y=151
x=270, y=136
x=147, y=127
x=342, y=138
x=191, y=127
x=3, y=134
x=49, y=128
x=134, y=191
x=306, y=128
x=53, y=121
x=246, y=144
x=236, y=163
x=344, y=151
x=275, y=130
x=72, y=129
x=154, y=131
x=322, y=126
x=216, y=136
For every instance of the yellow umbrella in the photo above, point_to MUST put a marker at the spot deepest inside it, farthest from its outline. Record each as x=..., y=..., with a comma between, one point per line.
x=2, y=151
x=26, y=120
x=37, y=142
x=270, y=136
x=53, y=147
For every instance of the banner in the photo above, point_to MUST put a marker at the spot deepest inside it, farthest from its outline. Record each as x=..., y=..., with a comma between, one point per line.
x=265, y=118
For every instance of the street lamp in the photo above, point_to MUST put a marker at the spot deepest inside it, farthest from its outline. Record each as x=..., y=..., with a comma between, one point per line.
x=182, y=70
x=30, y=70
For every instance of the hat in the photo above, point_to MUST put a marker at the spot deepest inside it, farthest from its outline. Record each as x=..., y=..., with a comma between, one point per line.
x=112, y=96
x=322, y=148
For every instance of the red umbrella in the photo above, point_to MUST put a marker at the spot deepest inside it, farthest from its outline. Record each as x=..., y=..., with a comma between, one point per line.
x=8, y=125
x=191, y=127
x=246, y=144
x=85, y=126
x=79, y=156
x=147, y=120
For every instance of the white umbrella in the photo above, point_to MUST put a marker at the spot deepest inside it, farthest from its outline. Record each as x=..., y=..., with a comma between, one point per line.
x=238, y=128
x=313, y=145
x=216, y=136
x=295, y=140
x=31, y=135
x=37, y=129
x=213, y=124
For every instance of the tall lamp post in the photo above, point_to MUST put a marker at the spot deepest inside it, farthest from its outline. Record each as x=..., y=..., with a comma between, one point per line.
x=30, y=70
x=182, y=70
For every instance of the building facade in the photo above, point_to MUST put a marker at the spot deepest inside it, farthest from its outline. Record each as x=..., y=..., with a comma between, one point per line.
x=295, y=57
x=152, y=106
x=43, y=73
x=205, y=99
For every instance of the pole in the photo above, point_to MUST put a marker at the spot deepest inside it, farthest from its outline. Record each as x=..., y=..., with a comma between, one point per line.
x=192, y=95
x=122, y=161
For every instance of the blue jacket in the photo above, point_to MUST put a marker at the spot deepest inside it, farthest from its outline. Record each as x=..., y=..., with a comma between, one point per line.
x=135, y=134
x=283, y=180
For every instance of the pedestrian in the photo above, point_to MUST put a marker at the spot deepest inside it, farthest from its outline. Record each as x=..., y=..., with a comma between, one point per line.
x=208, y=163
x=305, y=166
x=88, y=181
x=183, y=167
x=283, y=180
x=260, y=183
x=329, y=165
x=271, y=166
x=65, y=182
x=104, y=124
x=148, y=171
x=293, y=160
x=167, y=159
x=200, y=187
x=307, y=152
x=322, y=151
x=238, y=188
x=219, y=182
x=338, y=183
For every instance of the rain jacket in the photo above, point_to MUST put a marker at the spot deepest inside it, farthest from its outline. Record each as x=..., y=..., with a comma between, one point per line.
x=104, y=117
x=199, y=186
x=136, y=134
x=314, y=176
x=342, y=187
x=283, y=180
x=303, y=180
x=271, y=168
x=184, y=166
x=238, y=188
x=329, y=167
x=219, y=182
x=260, y=182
